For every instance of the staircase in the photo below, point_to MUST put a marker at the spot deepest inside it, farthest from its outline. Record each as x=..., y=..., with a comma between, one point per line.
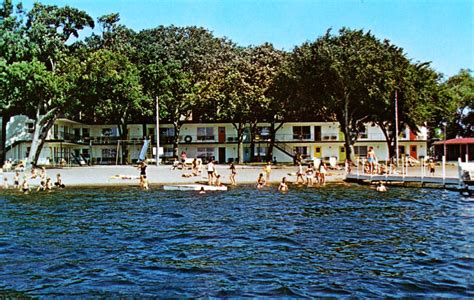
x=283, y=147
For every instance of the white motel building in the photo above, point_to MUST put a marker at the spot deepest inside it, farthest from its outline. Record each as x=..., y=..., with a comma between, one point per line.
x=77, y=143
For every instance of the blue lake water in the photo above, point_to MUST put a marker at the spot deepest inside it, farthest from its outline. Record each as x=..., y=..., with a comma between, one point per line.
x=336, y=241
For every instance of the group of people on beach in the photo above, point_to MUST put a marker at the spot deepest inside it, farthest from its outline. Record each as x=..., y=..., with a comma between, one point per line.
x=45, y=183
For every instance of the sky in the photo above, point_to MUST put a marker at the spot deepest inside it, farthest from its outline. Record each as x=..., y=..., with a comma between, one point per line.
x=437, y=31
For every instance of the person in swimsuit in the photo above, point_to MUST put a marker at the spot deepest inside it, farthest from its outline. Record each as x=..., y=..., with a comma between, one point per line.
x=16, y=180
x=299, y=174
x=260, y=181
x=371, y=159
x=309, y=174
x=210, y=172
x=59, y=182
x=24, y=185
x=233, y=172
x=283, y=187
x=267, y=170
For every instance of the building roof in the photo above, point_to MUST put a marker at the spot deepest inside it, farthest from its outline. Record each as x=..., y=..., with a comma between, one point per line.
x=458, y=141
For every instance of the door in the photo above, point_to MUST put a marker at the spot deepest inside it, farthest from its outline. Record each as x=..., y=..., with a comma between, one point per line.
x=342, y=153
x=413, y=152
x=317, y=151
x=221, y=135
x=221, y=155
x=317, y=133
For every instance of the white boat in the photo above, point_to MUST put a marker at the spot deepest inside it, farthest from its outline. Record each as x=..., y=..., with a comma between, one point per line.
x=194, y=187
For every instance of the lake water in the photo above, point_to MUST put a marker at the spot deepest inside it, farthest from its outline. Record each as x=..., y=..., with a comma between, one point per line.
x=336, y=241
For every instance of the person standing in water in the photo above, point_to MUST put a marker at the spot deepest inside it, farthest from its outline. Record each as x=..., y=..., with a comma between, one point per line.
x=260, y=181
x=267, y=170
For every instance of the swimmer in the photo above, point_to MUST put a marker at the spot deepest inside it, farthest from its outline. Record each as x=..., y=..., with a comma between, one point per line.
x=41, y=187
x=381, y=187
x=201, y=191
x=283, y=187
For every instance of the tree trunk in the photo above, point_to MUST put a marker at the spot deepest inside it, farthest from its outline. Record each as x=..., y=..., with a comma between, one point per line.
x=273, y=131
x=5, y=119
x=40, y=134
x=177, y=128
x=388, y=138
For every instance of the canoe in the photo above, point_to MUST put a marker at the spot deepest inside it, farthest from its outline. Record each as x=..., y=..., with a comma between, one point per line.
x=194, y=187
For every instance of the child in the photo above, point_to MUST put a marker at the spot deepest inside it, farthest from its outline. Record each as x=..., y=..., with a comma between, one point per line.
x=381, y=187
x=49, y=184
x=299, y=174
x=218, y=180
x=5, y=182
x=283, y=187
x=24, y=185
x=309, y=175
x=59, y=182
x=267, y=169
x=41, y=187
x=431, y=167
x=260, y=181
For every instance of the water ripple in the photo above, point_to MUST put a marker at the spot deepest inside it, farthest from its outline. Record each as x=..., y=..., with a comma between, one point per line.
x=335, y=241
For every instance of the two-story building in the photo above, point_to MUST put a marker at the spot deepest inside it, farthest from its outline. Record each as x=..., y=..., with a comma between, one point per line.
x=78, y=143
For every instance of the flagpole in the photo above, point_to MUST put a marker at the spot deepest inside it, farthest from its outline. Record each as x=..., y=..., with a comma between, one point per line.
x=396, y=129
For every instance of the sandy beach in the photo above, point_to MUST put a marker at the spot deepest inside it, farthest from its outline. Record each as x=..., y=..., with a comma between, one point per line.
x=164, y=174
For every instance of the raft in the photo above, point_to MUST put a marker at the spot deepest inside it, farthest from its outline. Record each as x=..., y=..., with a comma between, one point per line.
x=194, y=187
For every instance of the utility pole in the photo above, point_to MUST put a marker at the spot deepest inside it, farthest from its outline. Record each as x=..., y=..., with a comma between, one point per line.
x=157, y=132
x=396, y=129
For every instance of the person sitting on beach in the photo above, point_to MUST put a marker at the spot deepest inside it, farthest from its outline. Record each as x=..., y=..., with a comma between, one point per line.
x=59, y=182
x=218, y=180
x=49, y=183
x=41, y=187
x=381, y=187
x=24, y=185
x=299, y=174
x=34, y=173
x=283, y=187
x=194, y=166
x=260, y=181
x=5, y=182
x=184, y=156
x=42, y=176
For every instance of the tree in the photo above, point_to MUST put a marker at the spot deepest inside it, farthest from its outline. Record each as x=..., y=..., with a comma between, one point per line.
x=178, y=67
x=337, y=76
x=48, y=69
x=111, y=90
x=458, y=93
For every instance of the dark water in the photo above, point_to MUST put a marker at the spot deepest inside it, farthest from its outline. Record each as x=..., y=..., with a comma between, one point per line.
x=337, y=241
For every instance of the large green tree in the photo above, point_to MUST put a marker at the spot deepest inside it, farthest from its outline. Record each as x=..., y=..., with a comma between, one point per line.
x=179, y=67
x=50, y=75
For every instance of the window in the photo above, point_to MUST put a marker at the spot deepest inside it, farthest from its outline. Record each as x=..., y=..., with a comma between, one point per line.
x=31, y=127
x=264, y=132
x=205, y=134
x=260, y=151
x=167, y=152
x=106, y=132
x=360, y=150
x=205, y=153
x=109, y=153
x=301, y=150
x=85, y=132
x=301, y=132
x=166, y=136
x=363, y=133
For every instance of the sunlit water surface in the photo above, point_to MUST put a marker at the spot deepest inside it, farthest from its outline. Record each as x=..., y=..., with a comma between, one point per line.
x=336, y=241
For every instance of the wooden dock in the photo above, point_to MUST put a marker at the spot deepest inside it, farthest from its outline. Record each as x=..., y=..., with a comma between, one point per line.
x=395, y=178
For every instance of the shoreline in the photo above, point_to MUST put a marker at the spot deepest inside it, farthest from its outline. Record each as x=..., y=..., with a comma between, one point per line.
x=106, y=176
